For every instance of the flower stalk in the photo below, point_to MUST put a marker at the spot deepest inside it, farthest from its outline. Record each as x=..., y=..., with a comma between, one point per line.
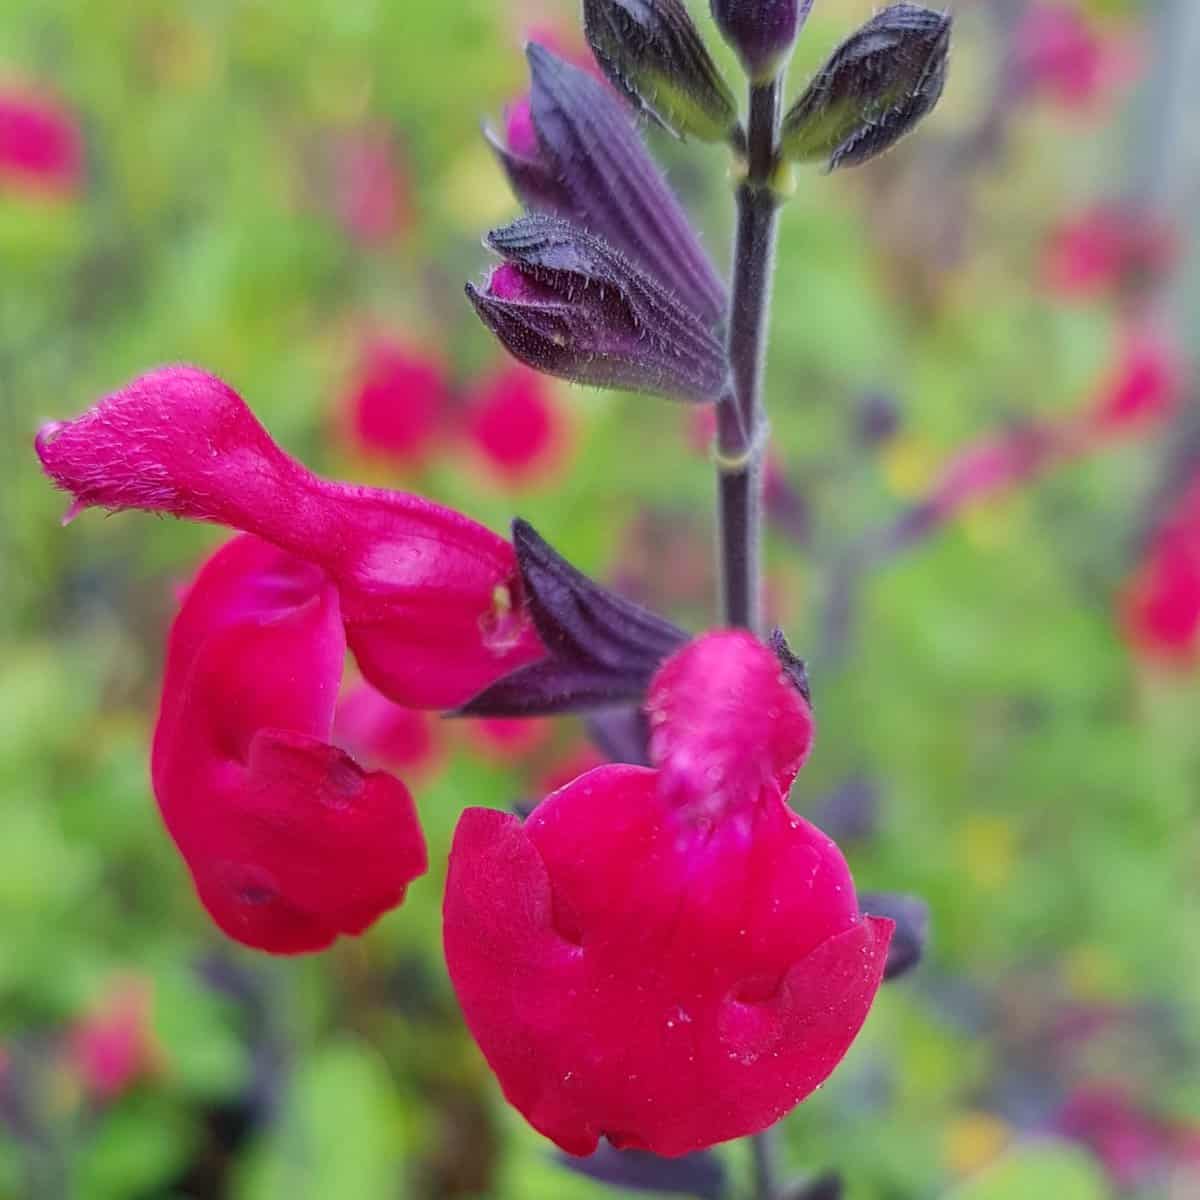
x=742, y=430
x=741, y=422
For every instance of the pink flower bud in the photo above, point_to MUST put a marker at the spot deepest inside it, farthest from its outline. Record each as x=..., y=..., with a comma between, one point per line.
x=289, y=841
x=41, y=149
x=397, y=403
x=430, y=599
x=652, y=960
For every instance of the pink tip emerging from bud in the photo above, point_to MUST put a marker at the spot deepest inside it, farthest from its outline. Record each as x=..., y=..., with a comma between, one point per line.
x=41, y=150
x=430, y=600
x=290, y=843
x=667, y=958
x=519, y=133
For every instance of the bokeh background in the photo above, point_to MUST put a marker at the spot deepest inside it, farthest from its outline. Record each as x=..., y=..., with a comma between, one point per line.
x=981, y=535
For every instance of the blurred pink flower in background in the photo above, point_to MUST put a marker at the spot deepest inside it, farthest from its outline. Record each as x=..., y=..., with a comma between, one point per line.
x=41, y=148
x=1160, y=608
x=581, y=759
x=1143, y=386
x=1063, y=55
x=514, y=421
x=506, y=739
x=371, y=193
x=1133, y=1145
x=1105, y=248
x=397, y=402
x=112, y=1046
x=376, y=731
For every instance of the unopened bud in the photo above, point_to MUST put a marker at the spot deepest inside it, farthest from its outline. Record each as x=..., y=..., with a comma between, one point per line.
x=567, y=304
x=652, y=52
x=761, y=31
x=874, y=89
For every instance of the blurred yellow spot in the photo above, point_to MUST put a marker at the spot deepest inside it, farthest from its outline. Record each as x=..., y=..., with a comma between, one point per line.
x=973, y=1141
x=474, y=192
x=910, y=466
x=1093, y=973
x=183, y=56
x=988, y=526
x=989, y=851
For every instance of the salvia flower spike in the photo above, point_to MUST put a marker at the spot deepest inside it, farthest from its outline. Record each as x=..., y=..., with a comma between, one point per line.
x=430, y=600
x=762, y=32
x=603, y=650
x=612, y=186
x=652, y=52
x=566, y=303
x=289, y=841
x=667, y=957
x=873, y=90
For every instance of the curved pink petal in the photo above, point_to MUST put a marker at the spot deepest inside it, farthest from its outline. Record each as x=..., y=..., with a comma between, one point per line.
x=289, y=841
x=430, y=599
x=667, y=982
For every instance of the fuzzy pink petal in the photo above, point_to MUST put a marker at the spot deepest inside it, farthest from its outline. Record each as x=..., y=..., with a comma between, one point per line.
x=430, y=599
x=725, y=720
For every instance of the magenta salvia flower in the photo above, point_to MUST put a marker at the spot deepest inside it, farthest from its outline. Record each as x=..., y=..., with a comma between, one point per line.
x=666, y=957
x=290, y=843
x=431, y=601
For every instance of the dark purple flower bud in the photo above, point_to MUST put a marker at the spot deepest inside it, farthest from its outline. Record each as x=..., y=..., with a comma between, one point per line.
x=602, y=650
x=534, y=181
x=622, y=735
x=568, y=304
x=911, y=936
x=825, y=1187
x=850, y=812
x=652, y=52
x=874, y=89
x=876, y=418
x=610, y=185
x=794, y=667
x=700, y=1174
x=761, y=31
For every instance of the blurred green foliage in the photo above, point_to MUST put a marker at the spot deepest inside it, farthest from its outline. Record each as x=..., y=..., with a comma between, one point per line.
x=1036, y=787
